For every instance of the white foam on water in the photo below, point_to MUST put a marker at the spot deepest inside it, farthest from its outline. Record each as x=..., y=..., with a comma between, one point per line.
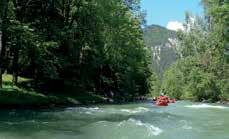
x=143, y=109
x=137, y=110
x=44, y=122
x=94, y=108
x=84, y=110
x=185, y=125
x=151, y=129
x=88, y=112
x=9, y=123
x=201, y=106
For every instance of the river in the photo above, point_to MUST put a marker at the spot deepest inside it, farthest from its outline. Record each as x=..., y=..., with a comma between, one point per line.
x=183, y=120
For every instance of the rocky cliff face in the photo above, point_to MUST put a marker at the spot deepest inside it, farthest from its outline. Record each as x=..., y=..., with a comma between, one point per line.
x=162, y=42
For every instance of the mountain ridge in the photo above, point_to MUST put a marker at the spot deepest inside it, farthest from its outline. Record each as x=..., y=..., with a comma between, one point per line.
x=162, y=43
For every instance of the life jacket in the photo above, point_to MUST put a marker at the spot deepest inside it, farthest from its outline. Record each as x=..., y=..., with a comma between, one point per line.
x=162, y=101
x=165, y=98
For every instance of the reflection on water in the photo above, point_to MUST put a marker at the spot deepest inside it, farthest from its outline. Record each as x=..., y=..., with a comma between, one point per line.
x=183, y=120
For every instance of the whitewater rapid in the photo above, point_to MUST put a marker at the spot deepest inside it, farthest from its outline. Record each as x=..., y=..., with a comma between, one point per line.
x=182, y=120
x=205, y=106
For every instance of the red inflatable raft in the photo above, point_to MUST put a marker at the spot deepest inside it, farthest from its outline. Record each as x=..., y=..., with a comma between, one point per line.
x=172, y=101
x=161, y=103
x=164, y=101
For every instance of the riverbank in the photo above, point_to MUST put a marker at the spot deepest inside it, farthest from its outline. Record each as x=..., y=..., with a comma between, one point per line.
x=19, y=97
x=13, y=97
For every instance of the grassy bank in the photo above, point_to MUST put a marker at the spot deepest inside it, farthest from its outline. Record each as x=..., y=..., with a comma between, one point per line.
x=19, y=97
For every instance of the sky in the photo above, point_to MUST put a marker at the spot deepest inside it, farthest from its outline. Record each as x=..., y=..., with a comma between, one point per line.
x=170, y=13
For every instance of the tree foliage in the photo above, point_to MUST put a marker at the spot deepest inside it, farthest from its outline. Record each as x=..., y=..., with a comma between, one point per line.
x=201, y=73
x=93, y=45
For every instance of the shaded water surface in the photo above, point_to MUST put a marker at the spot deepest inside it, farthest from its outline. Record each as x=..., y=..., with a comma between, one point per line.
x=183, y=120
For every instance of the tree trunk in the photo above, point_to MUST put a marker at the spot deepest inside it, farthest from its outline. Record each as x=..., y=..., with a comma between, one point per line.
x=15, y=66
x=3, y=17
x=0, y=53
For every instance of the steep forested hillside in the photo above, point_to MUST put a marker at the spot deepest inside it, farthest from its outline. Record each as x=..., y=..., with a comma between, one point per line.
x=162, y=43
x=157, y=35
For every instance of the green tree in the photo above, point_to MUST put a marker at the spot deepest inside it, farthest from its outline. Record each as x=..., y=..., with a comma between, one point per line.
x=3, y=26
x=203, y=65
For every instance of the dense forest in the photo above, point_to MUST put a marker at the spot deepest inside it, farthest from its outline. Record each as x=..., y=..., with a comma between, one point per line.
x=91, y=45
x=97, y=47
x=202, y=71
